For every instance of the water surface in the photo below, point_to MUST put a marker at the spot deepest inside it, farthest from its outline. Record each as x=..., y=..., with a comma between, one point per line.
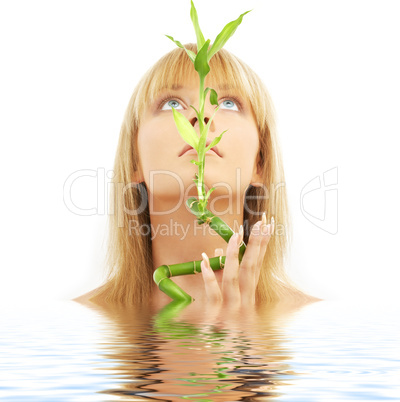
x=63, y=351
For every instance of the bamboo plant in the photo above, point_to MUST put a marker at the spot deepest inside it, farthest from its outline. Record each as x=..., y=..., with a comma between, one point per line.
x=198, y=206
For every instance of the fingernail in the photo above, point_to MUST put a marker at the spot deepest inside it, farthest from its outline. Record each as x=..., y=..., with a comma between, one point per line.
x=234, y=238
x=264, y=218
x=240, y=238
x=272, y=220
x=206, y=260
x=219, y=251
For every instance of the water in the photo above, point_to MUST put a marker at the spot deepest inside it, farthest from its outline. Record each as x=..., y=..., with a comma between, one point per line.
x=326, y=351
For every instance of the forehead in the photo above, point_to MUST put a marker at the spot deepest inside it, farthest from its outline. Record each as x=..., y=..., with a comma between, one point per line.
x=228, y=75
x=190, y=84
x=178, y=72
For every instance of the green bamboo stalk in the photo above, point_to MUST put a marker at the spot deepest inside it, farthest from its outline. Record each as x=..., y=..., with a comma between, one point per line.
x=163, y=273
x=198, y=207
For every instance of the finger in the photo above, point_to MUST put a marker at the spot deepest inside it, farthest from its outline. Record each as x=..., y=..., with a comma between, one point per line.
x=210, y=281
x=230, y=279
x=248, y=266
x=268, y=232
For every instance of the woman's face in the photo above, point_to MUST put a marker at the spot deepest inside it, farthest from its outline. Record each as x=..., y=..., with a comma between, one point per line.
x=168, y=173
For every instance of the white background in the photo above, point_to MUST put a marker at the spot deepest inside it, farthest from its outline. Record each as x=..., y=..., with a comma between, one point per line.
x=68, y=69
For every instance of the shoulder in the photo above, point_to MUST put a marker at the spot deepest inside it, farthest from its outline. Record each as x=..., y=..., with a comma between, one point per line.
x=86, y=298
x=300, y=300
x=297, y=297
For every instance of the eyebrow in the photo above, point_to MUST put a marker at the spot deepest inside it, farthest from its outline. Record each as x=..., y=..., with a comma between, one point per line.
x=224, y=87
x=173, y=87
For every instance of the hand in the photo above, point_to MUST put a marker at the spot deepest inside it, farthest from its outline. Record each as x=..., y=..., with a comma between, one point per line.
x=239, y=283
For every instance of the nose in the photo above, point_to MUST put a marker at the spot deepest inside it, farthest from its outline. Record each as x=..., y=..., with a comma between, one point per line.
x=194, y=121
x=209, y=111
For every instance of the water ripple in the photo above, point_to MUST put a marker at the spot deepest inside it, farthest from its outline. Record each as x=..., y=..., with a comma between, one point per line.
x=322, y=352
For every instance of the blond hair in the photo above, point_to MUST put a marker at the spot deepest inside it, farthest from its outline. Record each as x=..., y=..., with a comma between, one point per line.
x=129, y=256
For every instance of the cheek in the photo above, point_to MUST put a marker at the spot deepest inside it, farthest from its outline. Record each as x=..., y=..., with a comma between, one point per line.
x=165, y=174
x=154, y=145
x=149, y=139
x=242, y=154
x=243, y=145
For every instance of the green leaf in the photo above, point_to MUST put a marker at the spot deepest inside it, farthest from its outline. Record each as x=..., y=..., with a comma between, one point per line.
x=196, y=180
x=224, y=35
x=202, y=144
x=191, y=54
x=213, y=96
x=203, y=137
x=215, y=141
x=210, y=121
x=197, y=113
x=195, y=20
x=186, y=130
x=209, y=192
x=201, y=63
x=195, y=162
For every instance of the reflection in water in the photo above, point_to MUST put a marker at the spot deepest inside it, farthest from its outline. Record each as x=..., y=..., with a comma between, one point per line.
x=327, y=351
x=191, y=353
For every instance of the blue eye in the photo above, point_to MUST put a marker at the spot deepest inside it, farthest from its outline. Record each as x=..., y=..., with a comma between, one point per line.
x=229, y=104
x=172, y=104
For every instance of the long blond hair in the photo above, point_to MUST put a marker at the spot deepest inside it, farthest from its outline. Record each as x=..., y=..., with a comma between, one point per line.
x=129, y=255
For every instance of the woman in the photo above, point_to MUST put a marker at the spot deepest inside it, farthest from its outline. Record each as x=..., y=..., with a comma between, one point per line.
x=151, y=224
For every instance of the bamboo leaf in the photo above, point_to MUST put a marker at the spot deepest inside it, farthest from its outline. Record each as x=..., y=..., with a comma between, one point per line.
x=186, y=130
x=209, y=193
x=210, y=121
x=201, y=62
x=195, y=20
x=224, y=35
x=215, y=141
x=213, y=96
x=191, y=54
x=202, y=144
x=203, y=137
x=197, y=113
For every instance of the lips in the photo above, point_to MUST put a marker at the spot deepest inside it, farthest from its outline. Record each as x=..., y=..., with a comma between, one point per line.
x=187, y=147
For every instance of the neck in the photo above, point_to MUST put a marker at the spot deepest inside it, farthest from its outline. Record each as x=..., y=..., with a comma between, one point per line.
x=178, y=238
